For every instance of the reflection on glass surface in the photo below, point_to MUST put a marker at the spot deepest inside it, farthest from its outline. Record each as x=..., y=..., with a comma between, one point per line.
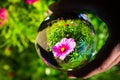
x=69, y=41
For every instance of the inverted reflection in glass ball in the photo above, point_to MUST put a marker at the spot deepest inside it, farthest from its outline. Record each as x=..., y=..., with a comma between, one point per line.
x=66, y=41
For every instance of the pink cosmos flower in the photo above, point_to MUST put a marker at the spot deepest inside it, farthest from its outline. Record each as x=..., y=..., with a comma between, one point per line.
x=30, y=1
x=63, y=48
x=3, y=16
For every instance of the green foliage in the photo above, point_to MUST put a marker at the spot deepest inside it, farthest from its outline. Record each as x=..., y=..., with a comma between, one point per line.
x=100, y=28
x=75, y=29
x=18, y=57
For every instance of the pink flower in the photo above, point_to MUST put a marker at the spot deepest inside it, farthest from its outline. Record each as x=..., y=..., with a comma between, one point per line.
x=30, y=1
x=63, y=48
x=3, y=16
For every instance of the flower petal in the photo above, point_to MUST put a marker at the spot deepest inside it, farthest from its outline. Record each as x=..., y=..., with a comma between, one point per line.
x=64, y=41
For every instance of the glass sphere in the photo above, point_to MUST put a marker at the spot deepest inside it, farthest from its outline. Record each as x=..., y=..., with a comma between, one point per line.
x=67, y=41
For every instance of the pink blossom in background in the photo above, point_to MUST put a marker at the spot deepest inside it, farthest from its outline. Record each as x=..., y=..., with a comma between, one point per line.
x=3, y=16
x=31, y=1
x=63, y=48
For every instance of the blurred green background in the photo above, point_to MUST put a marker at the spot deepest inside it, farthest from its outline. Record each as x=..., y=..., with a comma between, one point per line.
x=18, y=57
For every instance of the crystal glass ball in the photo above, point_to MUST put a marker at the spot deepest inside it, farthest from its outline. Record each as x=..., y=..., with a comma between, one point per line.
x=67, y=41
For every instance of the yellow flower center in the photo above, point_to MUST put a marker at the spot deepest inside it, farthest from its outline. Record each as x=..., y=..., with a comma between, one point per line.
x=62, y=49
